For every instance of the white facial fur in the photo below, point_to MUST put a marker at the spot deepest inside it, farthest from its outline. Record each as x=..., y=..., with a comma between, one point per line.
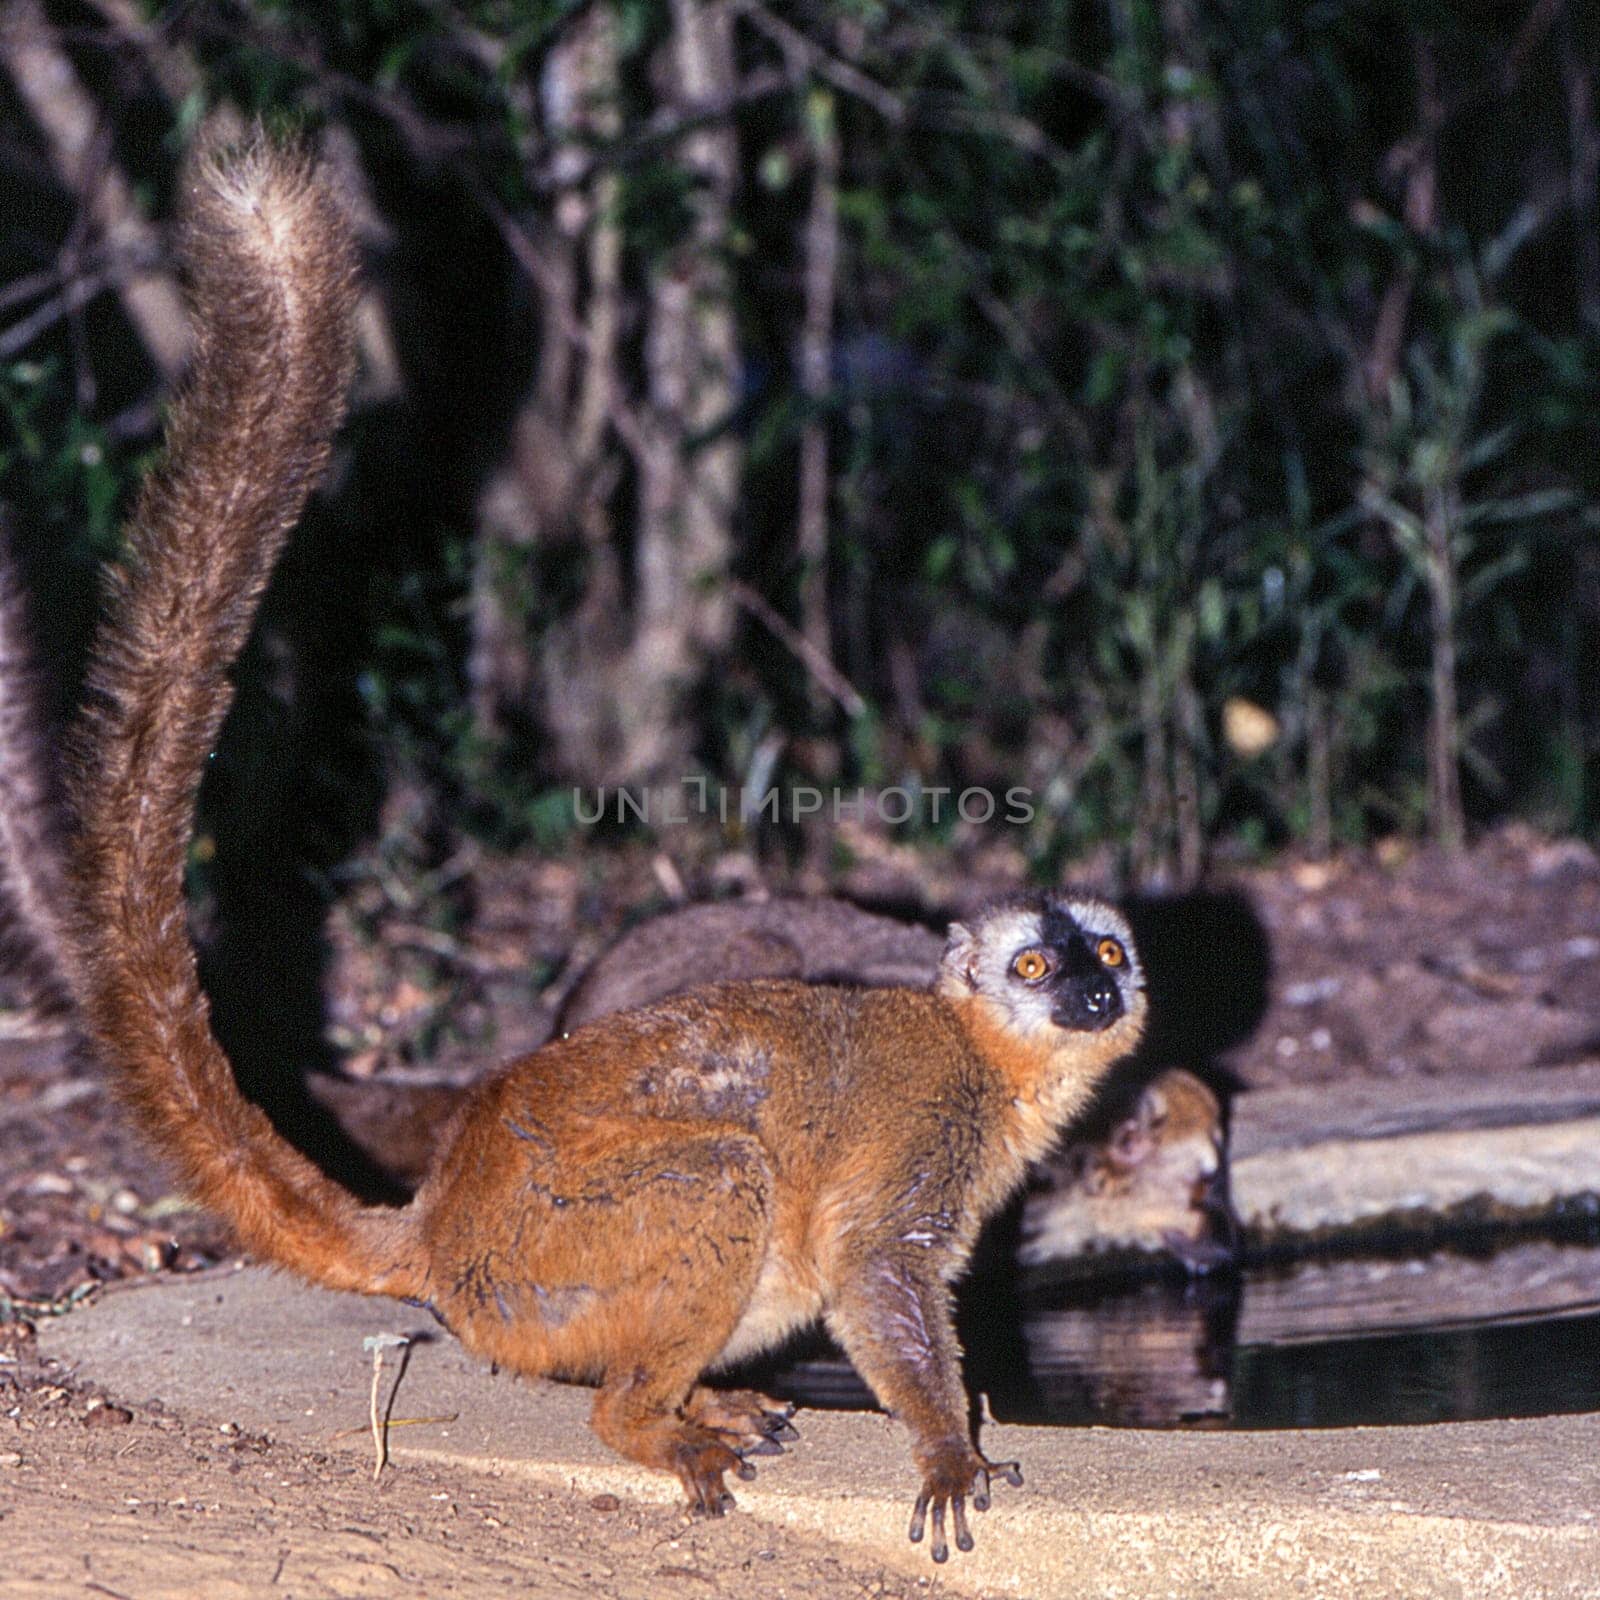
x=978, y=955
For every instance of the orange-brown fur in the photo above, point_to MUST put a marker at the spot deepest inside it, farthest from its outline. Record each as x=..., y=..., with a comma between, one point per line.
x=1151, y=1179
x=273, y=280
x=654, y=1195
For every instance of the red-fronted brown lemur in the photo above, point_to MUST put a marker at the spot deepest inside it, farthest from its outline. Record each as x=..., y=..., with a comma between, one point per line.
x=665, y=1190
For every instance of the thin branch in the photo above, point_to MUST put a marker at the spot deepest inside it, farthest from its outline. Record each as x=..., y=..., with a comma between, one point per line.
x=425, y=140
x=78, y=293
x=527, y=254
x=1416, y=157
x=68, y=119
x=844, y=77
x=832, y=680
x=572, y=167
x=108, y=264
x=1003, y=318
x=377, y=1343
x=175, y=71
x=623, y=416
x=949, y=112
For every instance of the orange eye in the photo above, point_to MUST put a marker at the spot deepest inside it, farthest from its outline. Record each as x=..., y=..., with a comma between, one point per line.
x=1111, y=953
x=1030, y=966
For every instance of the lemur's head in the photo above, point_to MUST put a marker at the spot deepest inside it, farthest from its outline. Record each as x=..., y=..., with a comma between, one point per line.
x=1051, y=969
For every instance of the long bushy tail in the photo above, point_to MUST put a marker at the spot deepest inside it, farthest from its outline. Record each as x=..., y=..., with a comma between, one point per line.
x=272, y=270
x=33, y=947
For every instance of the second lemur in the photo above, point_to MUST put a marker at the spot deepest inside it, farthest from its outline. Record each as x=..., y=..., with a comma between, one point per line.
x=666, y=1190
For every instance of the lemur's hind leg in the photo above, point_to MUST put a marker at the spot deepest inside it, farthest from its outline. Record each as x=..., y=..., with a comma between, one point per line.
x=703, y=1199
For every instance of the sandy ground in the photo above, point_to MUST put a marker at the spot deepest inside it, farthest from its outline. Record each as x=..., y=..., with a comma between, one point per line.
x=98, y=1498
x=214, y=1441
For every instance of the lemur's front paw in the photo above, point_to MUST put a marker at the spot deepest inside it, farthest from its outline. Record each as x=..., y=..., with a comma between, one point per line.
x=950, y=1481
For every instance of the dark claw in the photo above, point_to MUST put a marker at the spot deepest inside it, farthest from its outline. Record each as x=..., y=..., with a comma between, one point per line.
x=745, y=1471
x=1011, y=1471
x=963, y=1532
x=939, y=1550
x=918, y=1512
x=781, y=1428
x=763, y=1447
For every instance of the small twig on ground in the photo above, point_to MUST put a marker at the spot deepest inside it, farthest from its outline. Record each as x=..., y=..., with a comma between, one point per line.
x=377, y=1343
x=670, y=879
x=393, y=1422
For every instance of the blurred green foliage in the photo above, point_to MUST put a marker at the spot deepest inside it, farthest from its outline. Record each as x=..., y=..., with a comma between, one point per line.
x=1190, y=362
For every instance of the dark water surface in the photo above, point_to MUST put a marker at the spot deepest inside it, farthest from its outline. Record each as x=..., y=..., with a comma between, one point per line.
x=1448, y=1336
x=1526, y=1369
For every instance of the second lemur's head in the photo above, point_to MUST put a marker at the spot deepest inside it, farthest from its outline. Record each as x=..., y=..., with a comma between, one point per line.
x=1055, y=971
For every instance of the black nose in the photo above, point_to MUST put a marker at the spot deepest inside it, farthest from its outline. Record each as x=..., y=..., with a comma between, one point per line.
x=1088, y=1004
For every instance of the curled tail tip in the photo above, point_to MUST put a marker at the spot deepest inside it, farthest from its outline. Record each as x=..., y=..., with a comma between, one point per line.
x=273, y=200
x=251, y=171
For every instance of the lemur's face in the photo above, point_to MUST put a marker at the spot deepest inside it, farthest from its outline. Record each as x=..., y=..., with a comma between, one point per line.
x=1058, y=960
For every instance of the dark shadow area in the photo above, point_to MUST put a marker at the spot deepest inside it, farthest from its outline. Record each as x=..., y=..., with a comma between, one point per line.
x=293, y=788
x=1208, y=967
x=990, y=1310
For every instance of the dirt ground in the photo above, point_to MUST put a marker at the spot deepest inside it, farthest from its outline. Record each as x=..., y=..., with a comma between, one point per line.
x=1382, y=964
x=1403, y=962
x=96, y=1499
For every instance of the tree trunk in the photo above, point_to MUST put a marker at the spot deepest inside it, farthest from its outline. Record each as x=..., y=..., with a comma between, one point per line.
x=816, y=346
x=619, y=673
x=689, y=474
x=32, y=850
x=552, y=486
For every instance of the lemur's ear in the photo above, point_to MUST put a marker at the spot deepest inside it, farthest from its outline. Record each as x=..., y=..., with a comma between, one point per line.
x=958, y=967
